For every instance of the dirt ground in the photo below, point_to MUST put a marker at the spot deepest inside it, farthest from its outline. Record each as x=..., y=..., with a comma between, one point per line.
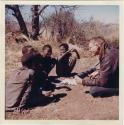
x=74, y=103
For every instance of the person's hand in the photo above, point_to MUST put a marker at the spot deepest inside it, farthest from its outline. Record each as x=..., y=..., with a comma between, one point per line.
x=72, y=50
x=93, y=75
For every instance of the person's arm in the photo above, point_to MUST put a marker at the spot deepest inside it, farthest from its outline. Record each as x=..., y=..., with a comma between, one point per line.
x=75, y=53
x=94, y=74
x=66, y=54
x=104, y=74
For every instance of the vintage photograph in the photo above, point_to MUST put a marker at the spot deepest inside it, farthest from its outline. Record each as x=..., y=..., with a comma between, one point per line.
x=61, y=62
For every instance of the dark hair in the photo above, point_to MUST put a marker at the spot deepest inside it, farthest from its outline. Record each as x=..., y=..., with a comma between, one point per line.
x=65, y=45
x=26, y=49
x=47, y=46
x=27, y=60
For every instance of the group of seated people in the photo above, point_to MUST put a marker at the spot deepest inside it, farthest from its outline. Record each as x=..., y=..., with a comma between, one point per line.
x=25, y=85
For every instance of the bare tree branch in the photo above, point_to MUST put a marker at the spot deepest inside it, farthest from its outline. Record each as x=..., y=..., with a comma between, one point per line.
x=10, y=7
x=43, y=8
x=66, y=6
x=45, y=25
x=17, y=14
x=55, y=10
x=14, y=14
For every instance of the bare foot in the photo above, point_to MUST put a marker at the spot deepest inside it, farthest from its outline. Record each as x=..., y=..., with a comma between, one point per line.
x=47, y=93
x=21, y=111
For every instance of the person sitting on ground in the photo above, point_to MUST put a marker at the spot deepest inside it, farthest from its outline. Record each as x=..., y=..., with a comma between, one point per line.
x=23, y=85
x=106, y=81
x=48, y=61
x=66, y=61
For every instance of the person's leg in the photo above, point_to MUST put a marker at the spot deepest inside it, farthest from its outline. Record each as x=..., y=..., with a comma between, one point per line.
x=32, y=93
x=62, y=68
x=48, y=86
x=103, y=92
x=26, y=96
x=65, y=67
x=23, y=98
x=59, y=68
x=72, y=62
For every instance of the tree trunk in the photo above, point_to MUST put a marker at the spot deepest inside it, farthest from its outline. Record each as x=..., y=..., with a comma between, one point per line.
x=35, y=22
x=18, y=15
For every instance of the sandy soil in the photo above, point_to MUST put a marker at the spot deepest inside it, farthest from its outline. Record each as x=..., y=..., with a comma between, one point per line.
x=74, y=103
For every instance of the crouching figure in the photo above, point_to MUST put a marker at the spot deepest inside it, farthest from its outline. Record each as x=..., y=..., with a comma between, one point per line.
x=22, y=87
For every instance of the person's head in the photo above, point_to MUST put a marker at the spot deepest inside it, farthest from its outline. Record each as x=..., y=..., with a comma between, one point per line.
x=47, y=50
x=63, y=48
x=95, y=45
x=31, y=61
x=27, y=49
